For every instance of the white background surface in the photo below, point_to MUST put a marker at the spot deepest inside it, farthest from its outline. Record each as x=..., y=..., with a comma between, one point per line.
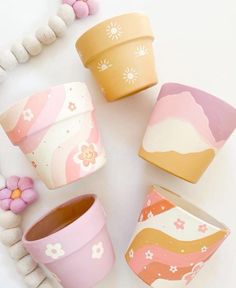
x=195, y=44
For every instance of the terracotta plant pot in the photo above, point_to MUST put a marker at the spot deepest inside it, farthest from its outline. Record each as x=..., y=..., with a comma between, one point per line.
x=186, y=130
x=119, y=53
x=73, y=243
x=56, y=130
x=172, y=241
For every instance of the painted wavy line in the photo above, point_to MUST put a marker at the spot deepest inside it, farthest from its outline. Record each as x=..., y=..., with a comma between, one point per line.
x=9, y=123
x=152, y=197
x=50, y=111
x=167, y=257
x=150, y=273
x=156, y=237
x=179, y=164
x=155, y=209
x=221, y=116
x=22, y=127
x=174, y=134
x=165, y=222
x=65, y=148
x=189, y=111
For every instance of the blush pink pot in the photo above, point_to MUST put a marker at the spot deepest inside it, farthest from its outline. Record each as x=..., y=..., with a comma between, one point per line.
x=73, y=243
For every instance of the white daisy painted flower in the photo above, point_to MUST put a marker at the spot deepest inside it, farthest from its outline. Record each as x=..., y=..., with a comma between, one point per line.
x=149, y=255
x=141, y=51
x=97, y=251
x=173, y=269
x=28, y=115
x=54, y=251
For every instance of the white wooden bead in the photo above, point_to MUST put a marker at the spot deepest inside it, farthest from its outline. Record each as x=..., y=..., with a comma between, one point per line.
x=10, y=236
x=46, y=35
x=17, y=251
x=9, y=220
x=57, y=25
x=3, y=75
x=7, y=60
x=2, y=179
x=32, y=45
x=35, y=278
x=66, y=13
x=20, y=53
x=26, y=265
x=46, y=284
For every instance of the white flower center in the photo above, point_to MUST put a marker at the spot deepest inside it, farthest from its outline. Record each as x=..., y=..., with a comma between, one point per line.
x=114, y=30
x=130, y=76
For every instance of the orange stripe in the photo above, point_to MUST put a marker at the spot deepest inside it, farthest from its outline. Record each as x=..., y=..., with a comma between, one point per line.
x=156, y=208
x=155, y=237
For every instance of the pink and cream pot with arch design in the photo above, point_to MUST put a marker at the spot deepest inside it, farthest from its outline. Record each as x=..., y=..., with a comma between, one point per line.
x=186, y=130
x=57, y=131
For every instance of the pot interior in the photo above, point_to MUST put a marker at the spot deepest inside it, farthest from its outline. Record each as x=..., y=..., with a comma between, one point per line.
x=190, y=208
x=60, y=217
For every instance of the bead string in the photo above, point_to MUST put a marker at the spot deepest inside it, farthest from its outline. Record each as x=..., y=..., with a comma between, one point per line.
x=31, y=46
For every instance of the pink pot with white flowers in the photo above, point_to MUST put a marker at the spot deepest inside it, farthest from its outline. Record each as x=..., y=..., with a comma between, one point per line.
x=56, y=130
x=73, y=243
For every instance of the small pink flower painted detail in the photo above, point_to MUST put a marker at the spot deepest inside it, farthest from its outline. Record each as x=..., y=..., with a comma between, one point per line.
x=202, y=228
x=190, y=276
x=179, y=224
x=87, y=156
x=17, y=194
x=72, y=107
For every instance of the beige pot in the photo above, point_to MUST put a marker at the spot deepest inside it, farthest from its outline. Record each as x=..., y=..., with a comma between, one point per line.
x=119, y=53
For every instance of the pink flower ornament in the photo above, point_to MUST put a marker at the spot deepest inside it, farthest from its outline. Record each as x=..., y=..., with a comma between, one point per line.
x=83, y=8
x=190, y=276
x=17, y=194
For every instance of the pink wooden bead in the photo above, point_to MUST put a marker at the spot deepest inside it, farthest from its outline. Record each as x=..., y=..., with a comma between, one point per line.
x=69, y=2
x=81, y=9
x=93, y=6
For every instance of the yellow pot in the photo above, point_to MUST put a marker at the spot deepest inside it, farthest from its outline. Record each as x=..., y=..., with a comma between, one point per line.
x=119, y=53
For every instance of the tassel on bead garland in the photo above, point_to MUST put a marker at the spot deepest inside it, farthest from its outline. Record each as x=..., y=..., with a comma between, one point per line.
x=11, y=199
x=32, y=45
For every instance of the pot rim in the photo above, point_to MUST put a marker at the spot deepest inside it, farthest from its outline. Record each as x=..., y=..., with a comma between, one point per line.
x=167, y=84
x=93, y=219
x=190, y=209
x=144, y=31
x=19, y=106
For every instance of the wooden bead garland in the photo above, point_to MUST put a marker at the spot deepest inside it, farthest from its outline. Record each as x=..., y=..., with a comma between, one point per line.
x=32, y=45
x=11, y=236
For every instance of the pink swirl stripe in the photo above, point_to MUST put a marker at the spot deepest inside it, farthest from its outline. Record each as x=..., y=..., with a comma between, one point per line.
x=183, y=106
x=35, y=105
x=51, y=110
x=168, y=258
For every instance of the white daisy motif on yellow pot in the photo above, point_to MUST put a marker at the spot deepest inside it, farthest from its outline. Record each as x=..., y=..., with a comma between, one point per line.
x=28, y=115
x=130, y=75
x=141, y=51
x=103, y=65
x=54, y=251
x=114, y=31
x=97, y=251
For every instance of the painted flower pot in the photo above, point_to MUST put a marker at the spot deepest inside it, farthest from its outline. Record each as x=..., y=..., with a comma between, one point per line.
x=73, y=243
x=56, y=130
x=186, y=130
x=172, y=241
x=119, y=54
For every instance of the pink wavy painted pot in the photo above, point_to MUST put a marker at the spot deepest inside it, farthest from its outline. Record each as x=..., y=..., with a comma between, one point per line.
x=172, y=241
x=73, y=243
x=56, y=130
x=186, y=130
